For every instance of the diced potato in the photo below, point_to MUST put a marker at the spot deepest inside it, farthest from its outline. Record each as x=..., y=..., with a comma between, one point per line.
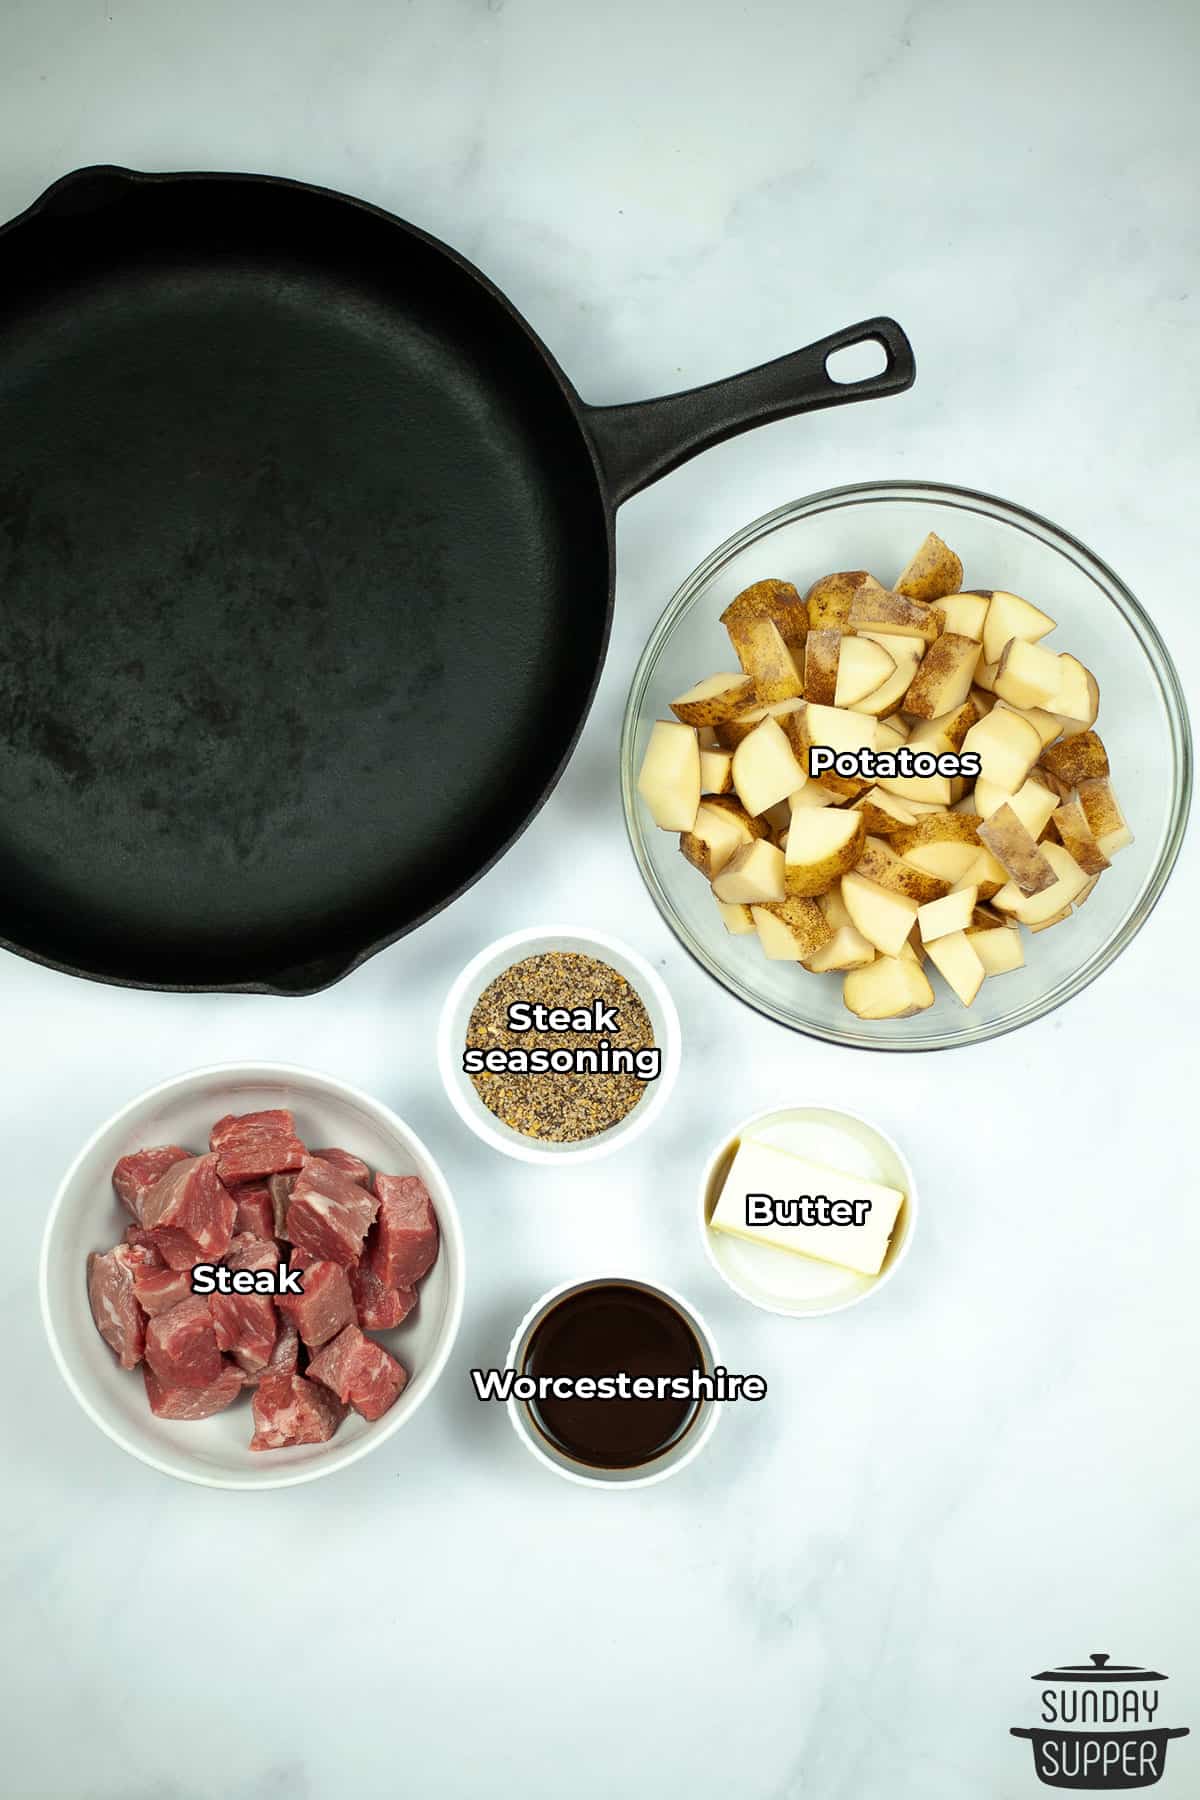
x=1046, y=724
x=985, y=675
x=1077, y=697
x=934, y=570
x=1009, y=842
x=939, y=828
x=889, y=988
x=1008, y=616
x=771, y=599
x=820, y=847
x=939, y=918
x=715, y=698
x=888, y=698
x=963, y=613
x=884, y=812
x=879, y=863
x=936, y=790
x=949, y=861
x=764, y=768
x=944, y=733
x=737, y=920
x=1077, y=837
x=1027, y=674
x=828, y=600
x=998, y=948
x=791, y=929
x=717, y=833
x=846, y=949
x=821, y=652
x=1054, y=919
x=1080, y=757
x=669, y=781
x=891, y=732
x=862, y=668
x=730, y=732
x=1039, y=908
x=985, y=875
x=813, y=793
x=958, y=963
x=767, y=658
x=874, y=609
x=753, y=875
x=944, y=678
x=1104, y=815
x=1007, y=746
x=884, y=918
x=1033, y=802
x=716, y=771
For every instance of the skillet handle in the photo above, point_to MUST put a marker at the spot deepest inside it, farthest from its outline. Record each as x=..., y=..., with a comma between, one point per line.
x=637, y=443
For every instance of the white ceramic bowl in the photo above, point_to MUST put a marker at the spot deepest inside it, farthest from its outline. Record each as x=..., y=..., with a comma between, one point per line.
x=680, y=1454
x=86, y=1216
x=800, y=1287
x=483, y=969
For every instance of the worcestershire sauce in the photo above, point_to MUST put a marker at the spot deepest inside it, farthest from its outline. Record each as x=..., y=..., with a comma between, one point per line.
x=606, y=1329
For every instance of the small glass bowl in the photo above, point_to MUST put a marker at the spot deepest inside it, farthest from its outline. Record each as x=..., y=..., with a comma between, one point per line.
x=1143, y=721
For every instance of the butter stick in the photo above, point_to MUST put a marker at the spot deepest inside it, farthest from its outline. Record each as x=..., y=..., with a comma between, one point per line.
x=773, y=1198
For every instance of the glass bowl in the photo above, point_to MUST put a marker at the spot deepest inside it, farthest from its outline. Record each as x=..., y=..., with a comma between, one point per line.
x=1143, y=721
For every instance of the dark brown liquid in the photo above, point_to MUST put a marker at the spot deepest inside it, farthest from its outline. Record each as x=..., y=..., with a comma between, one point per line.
x=605, y=1329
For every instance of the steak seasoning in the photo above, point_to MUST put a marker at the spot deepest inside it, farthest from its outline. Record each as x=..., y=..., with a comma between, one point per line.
x=560, y=1047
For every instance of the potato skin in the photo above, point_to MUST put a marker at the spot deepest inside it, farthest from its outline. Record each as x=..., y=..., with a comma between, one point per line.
x=718, y=707
x=946, y=668
x=828, y=600
x=809, y=880
x=880, y=864
x=938, y=828
x=1077, y=838
x=770, y=599
x=821, y=651
x=1009, y=842
x=934, y=571
x=805, y=920
x=1081, y=757
x=881, y=610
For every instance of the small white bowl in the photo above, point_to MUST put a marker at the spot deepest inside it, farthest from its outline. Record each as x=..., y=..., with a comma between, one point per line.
x=483, y=969
x=643, y=1475
x=800, y=1287
x=85, y=1216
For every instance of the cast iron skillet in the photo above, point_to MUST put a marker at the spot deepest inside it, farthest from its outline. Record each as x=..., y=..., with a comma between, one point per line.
x=306, y=572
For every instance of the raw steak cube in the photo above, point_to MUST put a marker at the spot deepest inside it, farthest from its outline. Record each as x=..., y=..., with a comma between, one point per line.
x=303, y=1259
x=177, y=1249
x=252, y=1145
x=379, y=1308
x=158, y=1290
x=136, y=1234
x=255, y=1211
x=111, y=1296
x=360, y=1371
x=280, y=1187
x=192, y=1402
x=290, y=1410
x=246, y=1325
x=348, y=1163
x=135, y=1175
x=285, y=1357
x=405, y=1242
x=181, y=1345
x=190, y=1200
x=325, y=1305
x=249, y=1252
x=258, y=1154
x=142, y=1256
x=278, y=1122
x=328, y=1214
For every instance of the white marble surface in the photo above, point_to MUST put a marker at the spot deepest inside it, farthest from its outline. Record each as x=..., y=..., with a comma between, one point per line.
x=992, y=1467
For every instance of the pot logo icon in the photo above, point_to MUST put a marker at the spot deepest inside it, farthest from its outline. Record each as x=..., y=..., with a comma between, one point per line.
x=1100, y=1726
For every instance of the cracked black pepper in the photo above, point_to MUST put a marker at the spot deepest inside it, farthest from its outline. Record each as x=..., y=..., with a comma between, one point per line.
x=560, y=1047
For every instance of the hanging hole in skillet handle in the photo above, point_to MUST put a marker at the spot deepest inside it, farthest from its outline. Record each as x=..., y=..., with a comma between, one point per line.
x=638, y=443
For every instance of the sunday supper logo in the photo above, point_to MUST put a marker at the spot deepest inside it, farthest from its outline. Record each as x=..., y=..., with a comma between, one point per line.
x=1099, y=1726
